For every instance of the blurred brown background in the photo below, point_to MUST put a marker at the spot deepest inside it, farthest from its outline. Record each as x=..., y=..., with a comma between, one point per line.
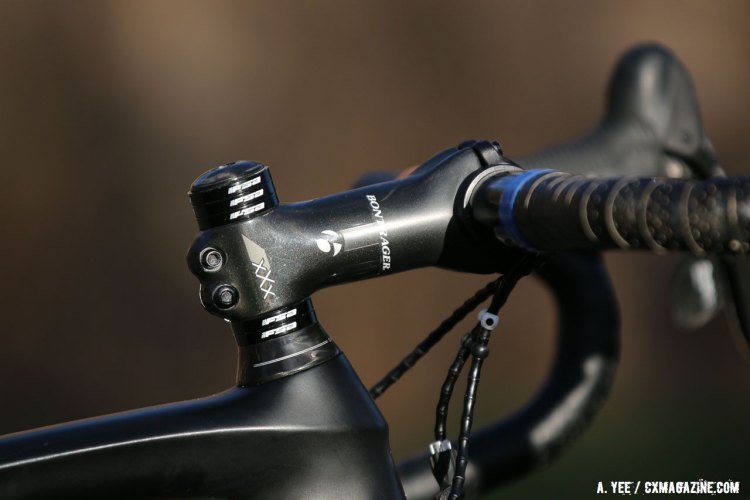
x=109, y=110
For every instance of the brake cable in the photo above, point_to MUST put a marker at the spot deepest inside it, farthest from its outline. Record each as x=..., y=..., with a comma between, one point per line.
x=433, y=338
x=448, y=465
x=474, y=343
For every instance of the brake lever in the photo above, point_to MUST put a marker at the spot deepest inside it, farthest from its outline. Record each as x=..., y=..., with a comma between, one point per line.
x=652, y=127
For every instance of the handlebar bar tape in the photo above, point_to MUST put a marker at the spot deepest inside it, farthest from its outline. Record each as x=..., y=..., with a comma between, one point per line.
x=547, y=210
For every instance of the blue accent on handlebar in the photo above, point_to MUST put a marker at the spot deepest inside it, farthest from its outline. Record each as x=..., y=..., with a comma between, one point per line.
x=511, y=186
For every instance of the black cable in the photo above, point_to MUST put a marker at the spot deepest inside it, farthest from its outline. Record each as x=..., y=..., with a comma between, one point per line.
x=479, y=351
x=433, y=338
x=480, y=337
x=474, y=343
x=510, y=279
x=446, y=391
x=503, y=287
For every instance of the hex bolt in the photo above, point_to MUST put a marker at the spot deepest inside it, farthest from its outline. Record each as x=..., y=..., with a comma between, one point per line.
x=225, y=296
x=211, y=259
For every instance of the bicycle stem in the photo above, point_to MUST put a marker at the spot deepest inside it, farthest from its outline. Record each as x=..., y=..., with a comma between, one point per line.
x=259, y=261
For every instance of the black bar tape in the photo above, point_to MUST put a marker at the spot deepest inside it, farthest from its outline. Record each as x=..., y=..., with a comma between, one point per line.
x=556, y=211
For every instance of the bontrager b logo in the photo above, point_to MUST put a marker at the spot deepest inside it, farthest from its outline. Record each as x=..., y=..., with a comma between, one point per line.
x=330, y=242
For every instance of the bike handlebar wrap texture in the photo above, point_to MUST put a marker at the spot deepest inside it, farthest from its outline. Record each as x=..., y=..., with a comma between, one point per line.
x=546, y=210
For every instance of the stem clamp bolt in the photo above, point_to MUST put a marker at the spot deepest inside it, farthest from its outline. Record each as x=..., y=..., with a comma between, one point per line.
x=211, y=259
x=225, y=296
